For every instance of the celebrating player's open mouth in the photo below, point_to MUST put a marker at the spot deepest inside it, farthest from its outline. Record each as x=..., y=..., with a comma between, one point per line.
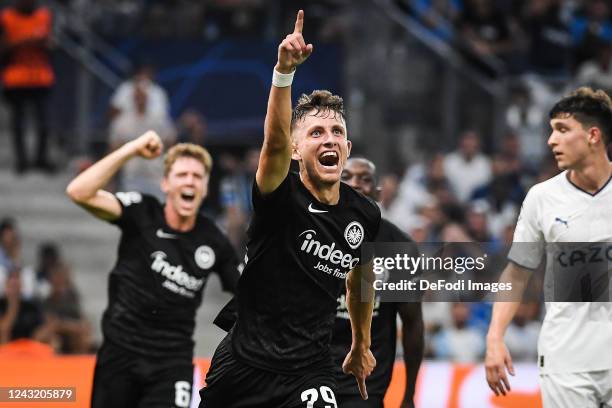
x=329, y=160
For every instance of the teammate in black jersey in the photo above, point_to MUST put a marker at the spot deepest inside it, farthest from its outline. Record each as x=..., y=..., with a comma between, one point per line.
x=360, y=174
x=303, y=244
x=165, y=256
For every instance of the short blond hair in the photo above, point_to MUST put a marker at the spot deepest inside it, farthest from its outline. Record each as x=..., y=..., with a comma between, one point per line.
x=187, y=150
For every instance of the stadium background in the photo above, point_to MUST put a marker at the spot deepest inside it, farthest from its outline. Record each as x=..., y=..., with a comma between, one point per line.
x=426, y=83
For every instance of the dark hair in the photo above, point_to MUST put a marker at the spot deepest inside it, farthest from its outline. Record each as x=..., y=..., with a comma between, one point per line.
x=7, y=223
x=319, y=101
x=589, y=107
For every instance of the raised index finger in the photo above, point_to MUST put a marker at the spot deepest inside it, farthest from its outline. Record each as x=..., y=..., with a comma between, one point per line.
x=299, y=22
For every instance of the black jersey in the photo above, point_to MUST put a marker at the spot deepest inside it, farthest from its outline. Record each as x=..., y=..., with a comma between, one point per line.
x=299, y=252
x=156, y=285
x=383, y=332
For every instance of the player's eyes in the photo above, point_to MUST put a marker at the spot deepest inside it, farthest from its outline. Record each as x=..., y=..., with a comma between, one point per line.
x=316, y=133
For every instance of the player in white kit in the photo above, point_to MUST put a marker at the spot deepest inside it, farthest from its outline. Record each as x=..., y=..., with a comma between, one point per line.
x=568, y=218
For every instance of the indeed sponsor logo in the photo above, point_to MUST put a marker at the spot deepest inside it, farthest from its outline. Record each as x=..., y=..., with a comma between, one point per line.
x=174, y=273
x=329, y=253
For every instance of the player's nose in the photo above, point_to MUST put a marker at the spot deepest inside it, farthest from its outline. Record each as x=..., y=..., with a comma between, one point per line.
x=552, y=140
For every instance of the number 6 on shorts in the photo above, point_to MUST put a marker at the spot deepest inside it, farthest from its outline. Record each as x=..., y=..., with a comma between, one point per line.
x=311, y=395
x=182, y=394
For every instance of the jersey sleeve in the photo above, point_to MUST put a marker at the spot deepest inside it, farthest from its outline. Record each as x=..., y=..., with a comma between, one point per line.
x=134, y=208
x=227, y=269
x=271, y=203
x=227, y=316
x=528, y=243
x=367, y=251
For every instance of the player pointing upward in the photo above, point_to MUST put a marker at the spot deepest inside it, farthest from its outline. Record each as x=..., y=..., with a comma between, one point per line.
x=303, y=244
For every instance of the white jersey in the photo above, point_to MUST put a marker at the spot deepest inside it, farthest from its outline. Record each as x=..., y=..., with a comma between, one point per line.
x=575, y=336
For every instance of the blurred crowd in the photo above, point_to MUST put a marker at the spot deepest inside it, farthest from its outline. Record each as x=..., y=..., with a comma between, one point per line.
x=547, y=37
x=40, y=302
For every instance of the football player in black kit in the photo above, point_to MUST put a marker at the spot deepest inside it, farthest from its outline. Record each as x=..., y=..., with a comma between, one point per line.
x=360, y=174
x=165, y=256
x=303, y=245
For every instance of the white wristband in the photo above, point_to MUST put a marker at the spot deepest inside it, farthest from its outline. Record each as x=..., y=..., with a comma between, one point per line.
x=281, y=80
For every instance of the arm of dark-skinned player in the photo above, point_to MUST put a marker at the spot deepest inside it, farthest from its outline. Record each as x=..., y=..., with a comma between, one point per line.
x=276, y=150
x=497, y=358
x=360, y=301
x=87, y=188
x=413, y=342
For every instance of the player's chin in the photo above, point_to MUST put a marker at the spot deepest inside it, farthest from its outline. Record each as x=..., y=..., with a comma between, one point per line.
x=328, y=174
x=188, y=209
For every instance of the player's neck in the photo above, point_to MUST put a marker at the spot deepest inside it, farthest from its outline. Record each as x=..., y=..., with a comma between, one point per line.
x=592, y=176
x=176, y=222
x=324, y=193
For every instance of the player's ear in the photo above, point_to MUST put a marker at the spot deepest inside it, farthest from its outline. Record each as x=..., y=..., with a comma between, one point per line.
x=349, y=145
x=295, y=154
x=376, y=193
x=594, y=135
x=164, y=185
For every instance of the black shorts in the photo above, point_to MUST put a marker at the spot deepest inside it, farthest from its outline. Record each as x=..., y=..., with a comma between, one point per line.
x=233, y=384
x=127, y=380
x=355, y=401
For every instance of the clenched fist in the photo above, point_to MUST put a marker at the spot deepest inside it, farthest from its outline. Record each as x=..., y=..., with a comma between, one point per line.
x=293, y=50
x=148, y=145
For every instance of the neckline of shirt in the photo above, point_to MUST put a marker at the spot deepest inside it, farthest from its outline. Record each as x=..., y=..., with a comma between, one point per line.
x=341, y=198
x=567, y=174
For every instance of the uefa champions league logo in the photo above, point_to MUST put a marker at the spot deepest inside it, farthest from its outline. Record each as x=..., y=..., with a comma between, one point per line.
x=353, y=234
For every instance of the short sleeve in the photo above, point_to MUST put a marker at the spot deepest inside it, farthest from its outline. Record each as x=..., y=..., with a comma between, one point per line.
x=367, y=251
x=528, y=242
x=120, y=99
x=272, y=202
x=227, y=269
x=133, y=209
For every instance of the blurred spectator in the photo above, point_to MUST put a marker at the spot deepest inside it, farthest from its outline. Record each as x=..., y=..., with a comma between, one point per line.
x=191, y=128
x=489, y=33
x=49, y=257
x=8, y=239
x=597, y=72
x=477, y=225
x=459, y=343
x=467, y=168
x=503, y=195
x=123, y=100
x=591, y=25
x=10, y=260
x=437, y=15
x=63, y=306
x=140, y=105
x=235, y=195
x=234, y=18
x=390, y=206
x=22, y=318
x=522, y=334
x=550, y=42
x=27, y=75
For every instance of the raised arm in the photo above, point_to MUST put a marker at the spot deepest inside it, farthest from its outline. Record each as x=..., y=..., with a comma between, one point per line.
x=498, y=358
x=360, y=362
x=87, y=188
x=276, y=150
